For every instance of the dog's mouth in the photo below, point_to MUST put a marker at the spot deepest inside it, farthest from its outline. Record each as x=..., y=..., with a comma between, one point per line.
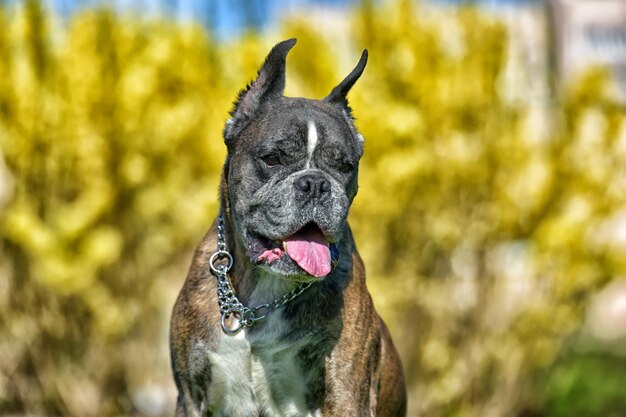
x=307, y=248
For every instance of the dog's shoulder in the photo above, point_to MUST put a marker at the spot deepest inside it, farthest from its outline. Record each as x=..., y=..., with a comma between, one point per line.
x=195, y=317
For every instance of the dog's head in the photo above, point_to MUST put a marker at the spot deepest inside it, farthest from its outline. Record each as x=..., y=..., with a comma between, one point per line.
x=292, y=171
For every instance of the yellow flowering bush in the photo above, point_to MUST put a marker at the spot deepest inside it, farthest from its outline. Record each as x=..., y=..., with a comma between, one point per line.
x=483, y=235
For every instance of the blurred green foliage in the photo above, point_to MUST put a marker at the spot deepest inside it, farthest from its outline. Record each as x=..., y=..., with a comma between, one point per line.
x=586, y=384
x=479, y=217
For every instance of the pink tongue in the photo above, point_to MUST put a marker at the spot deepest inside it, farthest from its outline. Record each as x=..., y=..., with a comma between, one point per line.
x=309, y=249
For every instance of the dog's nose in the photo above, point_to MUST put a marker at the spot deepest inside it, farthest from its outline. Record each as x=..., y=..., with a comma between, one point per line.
x=312, y=187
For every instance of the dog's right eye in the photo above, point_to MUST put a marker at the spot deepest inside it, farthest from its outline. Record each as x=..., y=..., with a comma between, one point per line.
x=270, y=159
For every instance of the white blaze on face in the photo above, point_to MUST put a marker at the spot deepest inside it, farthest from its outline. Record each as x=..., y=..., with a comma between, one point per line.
x=311, y=142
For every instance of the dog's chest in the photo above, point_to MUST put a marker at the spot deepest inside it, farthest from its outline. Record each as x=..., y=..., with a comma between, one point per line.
x=253, y=374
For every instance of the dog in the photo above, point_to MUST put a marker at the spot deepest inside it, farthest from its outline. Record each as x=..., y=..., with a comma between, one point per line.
x=274, y=318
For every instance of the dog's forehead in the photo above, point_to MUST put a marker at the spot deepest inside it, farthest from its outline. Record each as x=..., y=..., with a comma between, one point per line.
x=297, y=116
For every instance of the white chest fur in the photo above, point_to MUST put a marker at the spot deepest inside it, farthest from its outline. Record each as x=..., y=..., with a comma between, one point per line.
x=252, y=378
x=254, y=374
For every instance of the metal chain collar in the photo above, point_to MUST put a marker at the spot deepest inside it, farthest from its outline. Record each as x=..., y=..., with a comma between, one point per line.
x=227, y=300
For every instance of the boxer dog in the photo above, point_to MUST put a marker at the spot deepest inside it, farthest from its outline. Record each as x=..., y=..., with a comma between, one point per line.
x=274, y=318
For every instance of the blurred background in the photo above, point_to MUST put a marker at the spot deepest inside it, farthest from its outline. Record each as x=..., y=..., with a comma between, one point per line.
x=491, y=213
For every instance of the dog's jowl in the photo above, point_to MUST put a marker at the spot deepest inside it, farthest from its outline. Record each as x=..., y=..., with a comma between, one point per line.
x=274, y=318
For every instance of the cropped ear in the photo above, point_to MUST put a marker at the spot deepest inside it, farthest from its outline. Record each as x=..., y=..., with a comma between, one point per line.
x=340, y=93
x=269, y=83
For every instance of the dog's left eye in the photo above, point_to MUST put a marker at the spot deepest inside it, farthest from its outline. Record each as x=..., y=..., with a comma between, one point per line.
x=345, y=166
x=270, y=159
